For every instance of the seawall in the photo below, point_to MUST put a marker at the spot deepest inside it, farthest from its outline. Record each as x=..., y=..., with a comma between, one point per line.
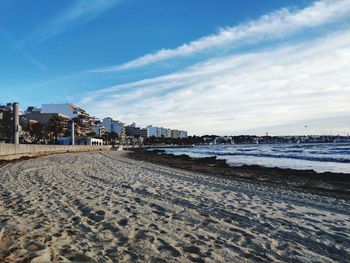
x=15, y=151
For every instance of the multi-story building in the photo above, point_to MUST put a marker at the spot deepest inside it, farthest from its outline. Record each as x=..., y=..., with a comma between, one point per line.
x=113, y=125
x=175, y=134
x=43, y=118
x=99, y=129
x=168, y=133
x=132, y=130
x=165, y=132
x=183, y=134
x=67, y=109
x=31, y=109
x=144, y=133
x=153, y=131
x=86, y=122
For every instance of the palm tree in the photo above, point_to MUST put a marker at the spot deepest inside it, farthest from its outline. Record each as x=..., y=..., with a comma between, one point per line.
x=105, y=137
x=6, y=125
x=37, y=131
x=113, y=136
x=57, y=126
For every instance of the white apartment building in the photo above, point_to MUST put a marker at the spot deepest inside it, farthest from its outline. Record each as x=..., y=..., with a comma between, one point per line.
x=166, y=133
x=113, y=125
x=153, y=131
x=183, y=134
x=67, y=109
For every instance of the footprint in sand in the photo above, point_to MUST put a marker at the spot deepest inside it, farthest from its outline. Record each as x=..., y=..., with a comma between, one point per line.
x=123, y=222
x=164, y=247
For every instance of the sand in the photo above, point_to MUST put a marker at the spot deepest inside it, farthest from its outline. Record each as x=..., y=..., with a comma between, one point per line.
x=105, y=207
x=330, y=184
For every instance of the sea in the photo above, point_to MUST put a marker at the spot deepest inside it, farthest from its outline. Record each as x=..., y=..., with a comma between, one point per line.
x=320, y=157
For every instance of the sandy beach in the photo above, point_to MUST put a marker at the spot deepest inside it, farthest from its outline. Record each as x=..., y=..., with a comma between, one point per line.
x=106, y=207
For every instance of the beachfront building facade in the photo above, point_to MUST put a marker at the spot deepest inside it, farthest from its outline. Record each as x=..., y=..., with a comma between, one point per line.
x=159, y=132
x=178, y=134
x=99, y=129
x=84, y=122
x=175, y=134
x=183, y=134
x=132, y=130
x=67, y=109
x=88, y=141
x=43, y=118
x=153, y=131
x=114, y=125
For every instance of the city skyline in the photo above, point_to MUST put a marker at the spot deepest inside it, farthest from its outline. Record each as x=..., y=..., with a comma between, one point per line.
x=215, y=68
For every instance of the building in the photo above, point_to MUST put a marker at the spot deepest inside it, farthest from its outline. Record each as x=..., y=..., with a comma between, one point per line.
x=175, y=134
x=153, y=131
x=67, y=109
x=165, y=132
x=114, y=126
x=183, y=134
x=43, y=118
x=144, y=133
x=132, y=130
x=88, y=141
x=85, y=121
x=32, y=109
x=99, y=129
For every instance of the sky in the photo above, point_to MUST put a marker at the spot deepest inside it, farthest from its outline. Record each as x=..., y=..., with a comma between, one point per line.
x=209, y=67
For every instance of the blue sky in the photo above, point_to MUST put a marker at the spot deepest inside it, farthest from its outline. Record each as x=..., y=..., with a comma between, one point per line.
x=225, y=67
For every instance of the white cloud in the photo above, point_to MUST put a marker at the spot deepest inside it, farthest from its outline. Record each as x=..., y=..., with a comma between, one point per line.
x=275, y=88
x=80, y=12
x=271, y=26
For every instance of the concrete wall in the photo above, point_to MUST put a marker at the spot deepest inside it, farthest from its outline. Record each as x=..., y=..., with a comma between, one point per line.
x=12, y=151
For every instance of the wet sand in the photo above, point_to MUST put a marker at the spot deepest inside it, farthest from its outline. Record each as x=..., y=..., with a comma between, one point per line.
x=106, y=207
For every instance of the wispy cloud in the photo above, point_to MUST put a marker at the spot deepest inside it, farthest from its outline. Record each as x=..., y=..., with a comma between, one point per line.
x=22, y=50
x=281, y=87
x=282, y=23
x=78, y=13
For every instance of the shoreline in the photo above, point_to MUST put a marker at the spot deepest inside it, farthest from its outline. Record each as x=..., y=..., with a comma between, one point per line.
x=328, y=183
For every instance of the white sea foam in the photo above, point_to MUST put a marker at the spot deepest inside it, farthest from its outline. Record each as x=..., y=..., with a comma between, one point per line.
x=320, y=157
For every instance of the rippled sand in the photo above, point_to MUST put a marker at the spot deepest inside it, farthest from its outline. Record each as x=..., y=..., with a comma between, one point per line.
x=105, y=207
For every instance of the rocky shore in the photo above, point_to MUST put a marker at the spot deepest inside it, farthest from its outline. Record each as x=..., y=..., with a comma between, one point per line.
x=333, y=184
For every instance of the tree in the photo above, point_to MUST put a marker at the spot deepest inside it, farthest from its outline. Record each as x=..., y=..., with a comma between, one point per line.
x=6, y=126
x=57, y=125
x=37, y=131
x=92, y=134
x=105, y=137
x=113, y=136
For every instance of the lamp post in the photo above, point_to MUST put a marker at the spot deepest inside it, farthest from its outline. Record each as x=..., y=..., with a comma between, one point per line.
x=72, y=132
